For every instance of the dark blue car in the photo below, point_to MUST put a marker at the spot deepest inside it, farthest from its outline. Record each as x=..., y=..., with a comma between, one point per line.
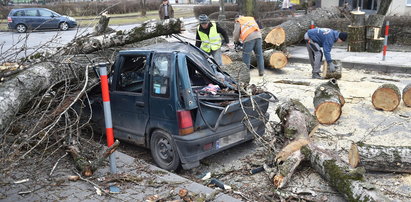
x=160, y=100
x=22, y=19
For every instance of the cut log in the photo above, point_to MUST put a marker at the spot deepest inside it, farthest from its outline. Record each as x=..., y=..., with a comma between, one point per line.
x=275, y=36
x=295, y=28
x=238, y=71
x=358, y=18
x=383, y=158
x=383, y=7
x=375, y=45
x=328, y=102
x=294, y=124
x=387, y=97
x=347, y=181
x=272, y=58
x=406, y=95
x=356, y=46
x=83, y=164
x=356, y=33
x=226, y=59
x=287, y=168
x=337, y=74
x=149, y=29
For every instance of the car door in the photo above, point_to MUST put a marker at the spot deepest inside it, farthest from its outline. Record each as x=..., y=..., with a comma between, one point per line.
x=31, y=18
x=47, y=19
x=129, y=102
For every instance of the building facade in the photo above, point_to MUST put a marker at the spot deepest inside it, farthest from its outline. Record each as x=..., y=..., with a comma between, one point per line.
x=397, y=7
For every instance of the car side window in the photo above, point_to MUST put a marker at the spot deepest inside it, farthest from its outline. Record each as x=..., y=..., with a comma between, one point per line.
x=19, y=13
x=45, y=13
x=160, y=75
x=31, y=13
x=131, y=77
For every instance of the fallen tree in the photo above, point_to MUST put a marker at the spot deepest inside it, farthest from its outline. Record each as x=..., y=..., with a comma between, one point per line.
x=272, y=58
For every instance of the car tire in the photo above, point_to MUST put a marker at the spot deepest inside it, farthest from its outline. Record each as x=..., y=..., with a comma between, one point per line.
x=64, y=26
x=164, y=150
x=21, y=28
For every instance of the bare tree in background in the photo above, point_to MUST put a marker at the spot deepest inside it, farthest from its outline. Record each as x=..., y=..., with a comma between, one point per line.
x=143, y=8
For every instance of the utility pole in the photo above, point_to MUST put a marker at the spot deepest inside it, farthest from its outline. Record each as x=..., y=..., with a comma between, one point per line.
x=221, y=15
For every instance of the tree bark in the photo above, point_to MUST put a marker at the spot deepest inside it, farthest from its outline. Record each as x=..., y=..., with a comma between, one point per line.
x=375, y=20
x=248, y=7
x=375, y=45
x=406, y=95
x=387, y=97
x=237, y=70
x=272, y=58
x=358, y=18
x=287, y=169
x=383, y=158
x=328, y=102
x=147, y=30
x=372, y=32
x=295, y=28
x=347, y=181
x=383, y=8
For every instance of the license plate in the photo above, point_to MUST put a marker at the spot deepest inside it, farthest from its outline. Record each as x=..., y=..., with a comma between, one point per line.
x=231, y=139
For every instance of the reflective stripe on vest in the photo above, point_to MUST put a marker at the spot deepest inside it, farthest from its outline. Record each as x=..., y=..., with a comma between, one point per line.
x=247, y=26
x=212, y=41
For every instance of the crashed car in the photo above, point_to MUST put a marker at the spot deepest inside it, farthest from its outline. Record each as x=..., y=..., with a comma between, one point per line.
x=173, y=99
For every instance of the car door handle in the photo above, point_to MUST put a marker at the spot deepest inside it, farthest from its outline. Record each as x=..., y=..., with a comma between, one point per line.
x=139, y=104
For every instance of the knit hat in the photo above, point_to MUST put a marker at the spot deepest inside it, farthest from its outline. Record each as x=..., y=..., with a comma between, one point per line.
x=343, y=36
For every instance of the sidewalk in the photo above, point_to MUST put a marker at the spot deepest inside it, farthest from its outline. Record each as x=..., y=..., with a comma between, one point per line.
x=395, y=61
x=144, y=182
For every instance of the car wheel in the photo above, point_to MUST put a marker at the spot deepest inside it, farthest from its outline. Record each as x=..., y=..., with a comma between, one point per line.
x=164, y=151
x=63, y=26
x=21, y=28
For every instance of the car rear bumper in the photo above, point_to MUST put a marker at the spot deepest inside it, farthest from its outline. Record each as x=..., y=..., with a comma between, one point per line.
x=194, y=147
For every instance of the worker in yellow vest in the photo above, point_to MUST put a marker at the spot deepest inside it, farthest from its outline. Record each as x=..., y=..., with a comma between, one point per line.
x=248, y=32
x=208, y=38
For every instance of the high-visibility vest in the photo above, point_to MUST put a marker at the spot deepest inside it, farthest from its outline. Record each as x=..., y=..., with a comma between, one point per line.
x=248, y=25
x=212, y=41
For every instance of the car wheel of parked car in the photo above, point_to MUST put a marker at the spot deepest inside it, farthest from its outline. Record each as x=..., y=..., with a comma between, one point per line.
x=21, y=28
x=164, y=151
x=63, y=26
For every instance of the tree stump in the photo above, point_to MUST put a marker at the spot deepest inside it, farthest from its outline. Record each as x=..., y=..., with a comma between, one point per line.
x=238, y=71
x=328, y=102
x=406, y=95
x=375, y=45
x=356, y=38
x=358, y=18
x=387, y=97
x=337, y=74
x=372, y=32
x=382, y=158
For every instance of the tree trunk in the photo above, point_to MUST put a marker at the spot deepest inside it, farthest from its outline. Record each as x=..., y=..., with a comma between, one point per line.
x=337, y=74
x=237, y=70
x=356, y=38
x=247, y=7
x=328, y=102
x=347, y=181
x=358, y=18
x=143, y=8
x=372, y=32
x=149, y=29
x=375, y=45
x=406, y=95
x=375, y=20
x=387, y=97
x=383, y=8
x=275, y=36
x=295, y=28
x=383, y=158
x=272, y=58
x=287, y=169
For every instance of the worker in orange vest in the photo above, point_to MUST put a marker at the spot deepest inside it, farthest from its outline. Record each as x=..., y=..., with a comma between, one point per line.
x=248, y=32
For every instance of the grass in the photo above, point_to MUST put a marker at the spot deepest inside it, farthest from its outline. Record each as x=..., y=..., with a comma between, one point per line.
x=119, y=19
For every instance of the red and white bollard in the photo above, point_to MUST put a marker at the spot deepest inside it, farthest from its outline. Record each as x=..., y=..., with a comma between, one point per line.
x=384, y=52
x=312, y=25
x=107, y=113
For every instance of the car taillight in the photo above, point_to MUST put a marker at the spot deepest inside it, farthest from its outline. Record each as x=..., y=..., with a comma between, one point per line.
x=9, y=19
x=185, y=122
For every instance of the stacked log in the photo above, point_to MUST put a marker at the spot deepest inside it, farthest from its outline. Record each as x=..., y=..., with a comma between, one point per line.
x=374, y=24
x=356, y=32
x=381, y=158
x=406, y=95
x=328, y=102
x=387, y=97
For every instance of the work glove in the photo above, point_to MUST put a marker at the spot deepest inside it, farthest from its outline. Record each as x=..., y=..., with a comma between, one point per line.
x=331, y=67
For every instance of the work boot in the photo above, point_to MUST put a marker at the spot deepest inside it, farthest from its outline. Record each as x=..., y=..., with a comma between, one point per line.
x=316, y=76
